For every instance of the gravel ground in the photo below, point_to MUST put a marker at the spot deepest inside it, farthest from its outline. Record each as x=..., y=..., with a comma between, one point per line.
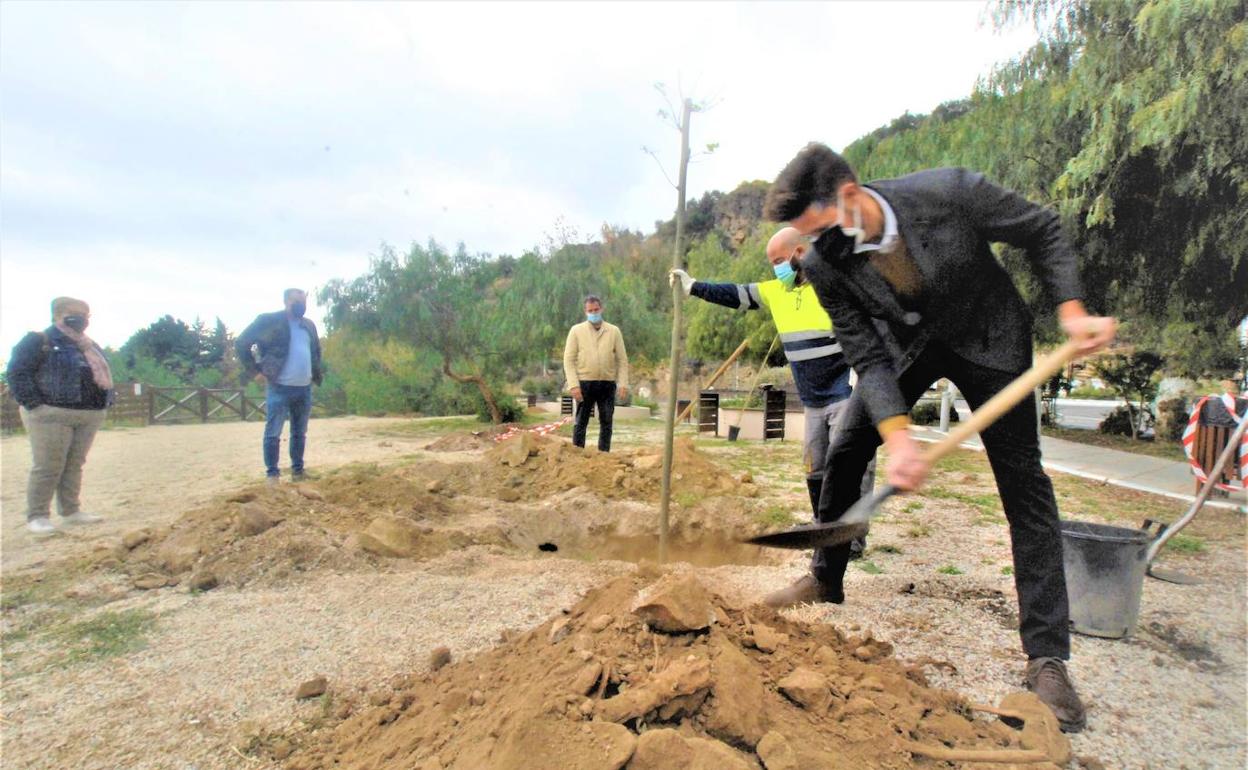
x=218, y=669
x=135, y=477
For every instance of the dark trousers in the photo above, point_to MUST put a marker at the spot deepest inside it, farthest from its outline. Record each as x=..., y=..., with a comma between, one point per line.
x=280, y=402
x=600, y=395
x=1013, y=448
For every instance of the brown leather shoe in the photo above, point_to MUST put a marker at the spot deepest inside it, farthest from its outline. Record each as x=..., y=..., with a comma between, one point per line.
x=805, y=590
x=1048, y=679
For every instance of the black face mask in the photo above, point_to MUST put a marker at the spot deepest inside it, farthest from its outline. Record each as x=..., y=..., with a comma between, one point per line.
x=297, y=309
x=76, y=322
x=799, y=275
x=834, y=244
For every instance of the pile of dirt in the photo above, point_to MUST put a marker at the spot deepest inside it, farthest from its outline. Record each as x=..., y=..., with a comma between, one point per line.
x=541, y=495
x=466, y=442
x=665, y=675
x=349, y=520
x=530, y=466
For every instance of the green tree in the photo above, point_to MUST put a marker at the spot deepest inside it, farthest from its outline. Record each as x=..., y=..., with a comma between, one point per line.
x=1132, y=376
x=439, y=300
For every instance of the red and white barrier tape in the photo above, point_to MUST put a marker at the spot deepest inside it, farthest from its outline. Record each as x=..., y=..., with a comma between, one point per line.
x=541, y=430
x=1189, y=439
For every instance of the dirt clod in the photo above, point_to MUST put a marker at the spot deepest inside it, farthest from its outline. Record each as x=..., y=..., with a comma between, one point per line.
x=807, y=688
x=150, y=581
x=312, y=688
x=253, y=520
x=439, y=657
x=205, y=580
x=676, y=604
x=776, y=753
x=138, y=537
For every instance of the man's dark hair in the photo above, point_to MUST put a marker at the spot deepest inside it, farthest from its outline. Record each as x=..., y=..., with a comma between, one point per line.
x=592, y=298
x=813, y=176
x=287, y=294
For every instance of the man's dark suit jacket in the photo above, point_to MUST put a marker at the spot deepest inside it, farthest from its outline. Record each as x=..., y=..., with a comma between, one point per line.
x=947, y=218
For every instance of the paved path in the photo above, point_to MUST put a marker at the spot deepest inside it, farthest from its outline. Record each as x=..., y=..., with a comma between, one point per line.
x=1125, y=469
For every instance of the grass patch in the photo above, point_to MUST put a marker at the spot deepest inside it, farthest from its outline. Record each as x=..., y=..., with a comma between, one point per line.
x=870, y=567
x=949, y=569
x=1164, y=449
x=884, y=548
x=107, y=635
x=1185, y=544
x=912, y=506
x=776, y=516
x=1007, y=570
x=919, y=530
x=685, y=499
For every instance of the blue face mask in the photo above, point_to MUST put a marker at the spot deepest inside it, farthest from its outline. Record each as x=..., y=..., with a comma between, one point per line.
x=786, y=274
x=594, y=318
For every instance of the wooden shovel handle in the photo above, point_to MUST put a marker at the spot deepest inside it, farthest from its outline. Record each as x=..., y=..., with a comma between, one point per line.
x=718, y=373
x=1005, y=400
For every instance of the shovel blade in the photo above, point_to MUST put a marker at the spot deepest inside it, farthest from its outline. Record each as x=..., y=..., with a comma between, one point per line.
x=853, y=524
x=1172, y=576
x=810, y=536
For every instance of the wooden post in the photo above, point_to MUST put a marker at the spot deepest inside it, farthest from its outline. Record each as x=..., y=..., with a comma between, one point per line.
x=678, y=294
x=203, y=405
x=151, y=406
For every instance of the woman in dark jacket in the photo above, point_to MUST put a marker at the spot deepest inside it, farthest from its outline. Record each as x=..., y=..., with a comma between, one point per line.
x=63, y=384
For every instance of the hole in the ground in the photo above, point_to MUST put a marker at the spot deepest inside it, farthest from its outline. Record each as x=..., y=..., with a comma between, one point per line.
x=704, y=548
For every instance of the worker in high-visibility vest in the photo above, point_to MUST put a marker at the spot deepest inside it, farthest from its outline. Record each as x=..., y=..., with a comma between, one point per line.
x=822, y=377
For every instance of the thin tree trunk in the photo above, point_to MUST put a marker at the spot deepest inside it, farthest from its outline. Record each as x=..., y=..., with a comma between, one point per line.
x=495, y=415
x=677, y=295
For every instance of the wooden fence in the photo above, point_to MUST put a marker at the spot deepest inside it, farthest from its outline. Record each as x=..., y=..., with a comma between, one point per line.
x=139, y=404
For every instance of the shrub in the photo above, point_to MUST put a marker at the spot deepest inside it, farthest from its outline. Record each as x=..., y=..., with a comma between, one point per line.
x=928, y=413
x=1171, y=419
x=508, y=406
x=1117, y=422
x=546, y=387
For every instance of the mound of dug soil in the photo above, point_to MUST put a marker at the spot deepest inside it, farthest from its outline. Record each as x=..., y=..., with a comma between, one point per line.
x=531, y=466
x=542, y=494
x=667, y=676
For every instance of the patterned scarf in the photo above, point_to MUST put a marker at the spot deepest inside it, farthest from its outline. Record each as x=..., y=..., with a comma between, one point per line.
x=100, y=372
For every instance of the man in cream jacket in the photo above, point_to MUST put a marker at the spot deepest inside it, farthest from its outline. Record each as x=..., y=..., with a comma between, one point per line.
x=596, y=365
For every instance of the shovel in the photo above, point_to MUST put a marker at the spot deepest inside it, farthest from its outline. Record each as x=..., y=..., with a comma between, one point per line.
x=856, y=520
x=1167, y=531
x=735, y=430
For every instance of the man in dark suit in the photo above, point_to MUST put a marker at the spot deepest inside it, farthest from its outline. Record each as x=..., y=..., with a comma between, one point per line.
x=904, y=268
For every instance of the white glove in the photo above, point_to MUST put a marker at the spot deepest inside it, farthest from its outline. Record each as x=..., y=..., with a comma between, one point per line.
x=686, y=280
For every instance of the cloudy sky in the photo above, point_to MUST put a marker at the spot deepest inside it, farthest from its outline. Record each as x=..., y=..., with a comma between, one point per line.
x=195, y=159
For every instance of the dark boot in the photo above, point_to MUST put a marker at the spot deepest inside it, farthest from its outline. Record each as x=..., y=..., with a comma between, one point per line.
x=805, y=590
x=1048, y=679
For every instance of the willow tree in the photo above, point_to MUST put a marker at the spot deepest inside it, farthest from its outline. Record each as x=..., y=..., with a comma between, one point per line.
x=1128, y=118
x=434, y=299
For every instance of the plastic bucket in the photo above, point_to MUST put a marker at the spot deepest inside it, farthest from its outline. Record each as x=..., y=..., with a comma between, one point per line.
x=733, y=432
x=1105, y=568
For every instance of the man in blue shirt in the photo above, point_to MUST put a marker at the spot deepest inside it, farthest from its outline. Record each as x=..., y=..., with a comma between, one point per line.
x=283, y=347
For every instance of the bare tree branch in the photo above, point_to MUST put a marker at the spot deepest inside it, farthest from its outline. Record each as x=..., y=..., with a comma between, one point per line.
x=659, y=163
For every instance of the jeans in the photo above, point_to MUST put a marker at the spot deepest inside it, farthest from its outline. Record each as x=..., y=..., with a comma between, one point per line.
x=1013, y=447
x=280, y=402
x=600, y=395
x=822, y=425
x=59, y=441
